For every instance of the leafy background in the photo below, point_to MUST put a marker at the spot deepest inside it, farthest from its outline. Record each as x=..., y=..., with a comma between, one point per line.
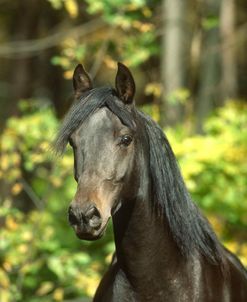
x=40, y=257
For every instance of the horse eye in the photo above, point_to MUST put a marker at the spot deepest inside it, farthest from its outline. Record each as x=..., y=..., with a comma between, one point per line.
x=126, y=140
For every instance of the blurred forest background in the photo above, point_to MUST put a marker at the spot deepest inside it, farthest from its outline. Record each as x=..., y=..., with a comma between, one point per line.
x=189, y=59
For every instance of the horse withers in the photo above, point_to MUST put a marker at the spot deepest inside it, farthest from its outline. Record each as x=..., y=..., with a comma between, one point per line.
x=166, y=251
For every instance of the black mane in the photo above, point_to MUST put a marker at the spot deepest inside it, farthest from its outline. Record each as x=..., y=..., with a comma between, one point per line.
x=189, y=228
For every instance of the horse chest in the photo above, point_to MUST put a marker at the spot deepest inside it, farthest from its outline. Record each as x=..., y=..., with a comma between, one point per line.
x=122, y=290
x=148, y=290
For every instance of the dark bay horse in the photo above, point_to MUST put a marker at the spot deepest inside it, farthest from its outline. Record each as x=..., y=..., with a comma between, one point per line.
x=126, y=169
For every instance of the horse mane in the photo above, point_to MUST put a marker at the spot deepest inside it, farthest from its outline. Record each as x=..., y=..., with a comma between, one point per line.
x=188, y=227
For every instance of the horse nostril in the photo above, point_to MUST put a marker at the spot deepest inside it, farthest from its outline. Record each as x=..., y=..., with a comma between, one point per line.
x=91, y=211
x=93, y=217
x=90, y=216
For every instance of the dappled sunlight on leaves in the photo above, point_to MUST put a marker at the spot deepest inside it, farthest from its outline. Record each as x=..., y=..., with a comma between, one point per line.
x=214, y=167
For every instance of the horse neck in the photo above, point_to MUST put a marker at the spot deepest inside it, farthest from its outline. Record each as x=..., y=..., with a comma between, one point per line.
x=143, y=241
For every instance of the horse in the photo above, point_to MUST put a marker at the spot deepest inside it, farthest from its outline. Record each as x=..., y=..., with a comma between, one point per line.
x=166, y=250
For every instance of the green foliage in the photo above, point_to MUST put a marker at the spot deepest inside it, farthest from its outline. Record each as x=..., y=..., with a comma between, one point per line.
x=119, y=12
x=214, y=167
x=129, y=19
x=210, y=23
x=40, y=257
x=178, y=96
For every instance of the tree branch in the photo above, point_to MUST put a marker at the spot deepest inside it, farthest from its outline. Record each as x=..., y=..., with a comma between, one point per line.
x=32, y=47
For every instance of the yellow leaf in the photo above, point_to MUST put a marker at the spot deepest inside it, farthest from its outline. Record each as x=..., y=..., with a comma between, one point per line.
x=109, y=62
x=27, y=235
x=5, y=295
x=4, y=279
x=56, y=181
x=16, y=189
x=68, y=74
x=243, y=260
x=7, y=266
x=88, y=282
x=108, y=258
x=11, y=224
x=4, y=162
x=232, y=246
x=132, y=7
x=143, y=27
x=23, y=248
x=71, y=7
x=45, y=288
x=37, y=158
x=58, y=294
x=44, y=146
x=147, y=12
x=153, y=88
x=67, y=162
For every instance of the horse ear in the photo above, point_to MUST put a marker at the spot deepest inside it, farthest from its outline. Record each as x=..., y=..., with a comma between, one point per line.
x=125, y=84
x=81, y=80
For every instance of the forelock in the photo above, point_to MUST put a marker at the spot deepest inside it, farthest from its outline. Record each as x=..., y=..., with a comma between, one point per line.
x=85, y=107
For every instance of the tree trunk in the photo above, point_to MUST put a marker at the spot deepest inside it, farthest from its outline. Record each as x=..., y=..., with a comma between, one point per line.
x=30, y=74
x=174, y=58
x=229, y=64
x=209, y=77
x=21, y=74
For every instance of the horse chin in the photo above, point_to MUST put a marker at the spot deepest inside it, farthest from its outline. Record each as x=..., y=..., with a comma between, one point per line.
x=90, y=236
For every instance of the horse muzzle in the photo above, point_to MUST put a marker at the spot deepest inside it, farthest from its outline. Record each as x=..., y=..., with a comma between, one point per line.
x=86, y=221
